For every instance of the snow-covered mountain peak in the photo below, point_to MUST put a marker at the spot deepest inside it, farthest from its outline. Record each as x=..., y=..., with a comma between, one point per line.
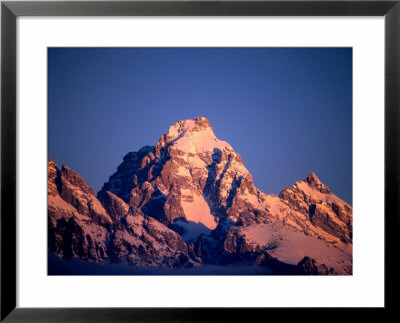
x=313, y=181
x=196, y=124
x=190, y=199
x=311, y=189
x=313, y=178
x=194, y=136
x=188, y=174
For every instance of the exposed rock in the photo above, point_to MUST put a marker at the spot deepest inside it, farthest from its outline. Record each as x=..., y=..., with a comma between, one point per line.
x=308, y=266
x=80, y=226
x=322, y=208
x=72, y=237
x=52, y=174
x=115, y=207
x=144, y=241
x=75, y=191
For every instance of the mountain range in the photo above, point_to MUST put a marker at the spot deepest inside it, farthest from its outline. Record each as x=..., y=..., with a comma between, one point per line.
x=189, y=201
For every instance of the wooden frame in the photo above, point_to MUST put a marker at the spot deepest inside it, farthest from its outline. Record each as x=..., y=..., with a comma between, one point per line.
x=10, y=10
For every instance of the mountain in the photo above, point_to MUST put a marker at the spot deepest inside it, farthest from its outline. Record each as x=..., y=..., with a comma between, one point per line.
x=305, y=221
x=189, y=178
x=195, y=192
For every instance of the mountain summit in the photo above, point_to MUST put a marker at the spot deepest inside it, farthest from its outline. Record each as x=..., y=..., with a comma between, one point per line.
x=194, y=136
x=190, y=179
x=196, y=203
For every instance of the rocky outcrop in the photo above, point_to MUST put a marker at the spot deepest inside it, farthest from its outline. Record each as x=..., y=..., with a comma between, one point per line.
x=143, y=241
x=308, y=266
x=74, y=190
x=76, y=222
x=76, y=238
x=322, y=208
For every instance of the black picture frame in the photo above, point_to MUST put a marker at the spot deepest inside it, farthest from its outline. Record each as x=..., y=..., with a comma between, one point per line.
x=10, y=10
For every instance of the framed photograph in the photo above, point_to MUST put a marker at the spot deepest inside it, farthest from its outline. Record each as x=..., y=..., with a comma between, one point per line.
x=194, y=160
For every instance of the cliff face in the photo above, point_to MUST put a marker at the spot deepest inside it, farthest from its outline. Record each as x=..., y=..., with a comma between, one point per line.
x=189, y=200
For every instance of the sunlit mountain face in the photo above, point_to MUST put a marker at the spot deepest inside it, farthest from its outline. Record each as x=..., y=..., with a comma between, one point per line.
x=188, y=203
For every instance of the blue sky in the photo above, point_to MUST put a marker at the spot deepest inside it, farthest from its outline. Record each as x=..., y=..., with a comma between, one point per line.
x=286, y=111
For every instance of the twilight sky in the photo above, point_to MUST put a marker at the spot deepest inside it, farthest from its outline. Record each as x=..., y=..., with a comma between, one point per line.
x=286, y=111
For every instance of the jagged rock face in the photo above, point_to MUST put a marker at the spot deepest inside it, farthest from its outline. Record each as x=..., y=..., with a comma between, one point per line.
x=115, y=207
x=323, y=209
x=52, y=174
x=74, y=190
x=73, y=233
x=309, y=266
x=143, y=241
x=74, y=237
x=111, y=231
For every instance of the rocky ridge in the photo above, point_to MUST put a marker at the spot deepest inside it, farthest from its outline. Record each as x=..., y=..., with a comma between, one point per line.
x=108, y=231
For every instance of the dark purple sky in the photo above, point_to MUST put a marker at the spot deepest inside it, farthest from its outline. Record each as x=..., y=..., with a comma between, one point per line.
x=286, y=111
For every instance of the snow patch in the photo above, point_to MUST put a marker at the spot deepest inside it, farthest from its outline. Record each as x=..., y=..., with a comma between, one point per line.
x=191, y=230
x=315, y=194
x=291, y=246
x=198, y=210
x=189, y=138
